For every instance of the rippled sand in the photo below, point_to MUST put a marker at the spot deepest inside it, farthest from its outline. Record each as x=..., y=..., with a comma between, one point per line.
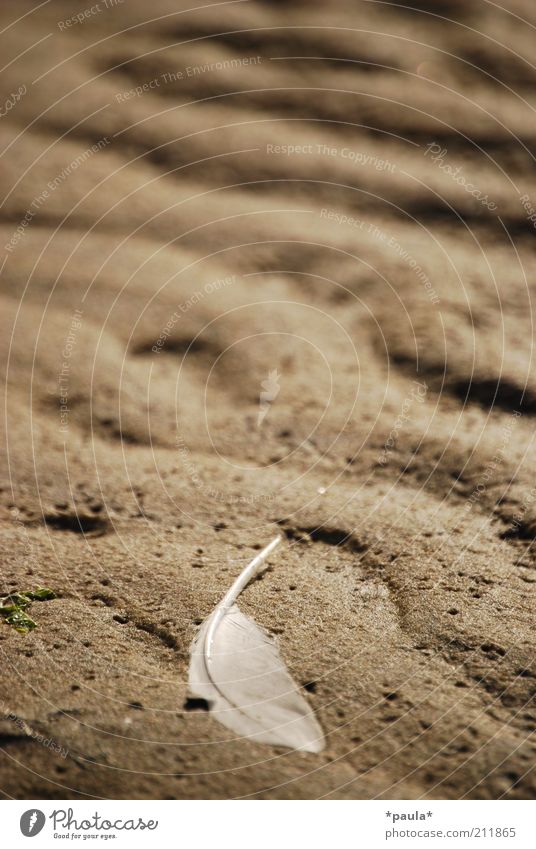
x=268, y=266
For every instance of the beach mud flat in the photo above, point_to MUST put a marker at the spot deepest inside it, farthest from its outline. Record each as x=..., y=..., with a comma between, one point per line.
x=269, y=268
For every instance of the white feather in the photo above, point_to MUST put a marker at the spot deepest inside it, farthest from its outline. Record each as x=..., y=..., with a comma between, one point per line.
x=236, y=667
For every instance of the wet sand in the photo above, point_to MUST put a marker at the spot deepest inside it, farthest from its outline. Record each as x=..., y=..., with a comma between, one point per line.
x=269, y=268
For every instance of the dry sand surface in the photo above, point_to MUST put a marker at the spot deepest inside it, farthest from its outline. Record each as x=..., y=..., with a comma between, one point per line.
x=337, y=193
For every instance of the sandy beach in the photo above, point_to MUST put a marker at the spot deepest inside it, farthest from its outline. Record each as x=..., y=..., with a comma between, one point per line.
x=268, y=268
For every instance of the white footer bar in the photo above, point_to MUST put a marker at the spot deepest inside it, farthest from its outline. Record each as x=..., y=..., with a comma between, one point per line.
x=270, y=825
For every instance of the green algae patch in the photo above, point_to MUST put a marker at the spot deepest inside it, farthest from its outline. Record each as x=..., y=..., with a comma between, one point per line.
x=13, y=608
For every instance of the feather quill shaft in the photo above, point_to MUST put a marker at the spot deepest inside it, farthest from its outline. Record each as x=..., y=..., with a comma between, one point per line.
x=236, y=667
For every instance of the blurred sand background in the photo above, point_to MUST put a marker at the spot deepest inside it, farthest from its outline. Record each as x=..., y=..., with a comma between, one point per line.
x=339, y=193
